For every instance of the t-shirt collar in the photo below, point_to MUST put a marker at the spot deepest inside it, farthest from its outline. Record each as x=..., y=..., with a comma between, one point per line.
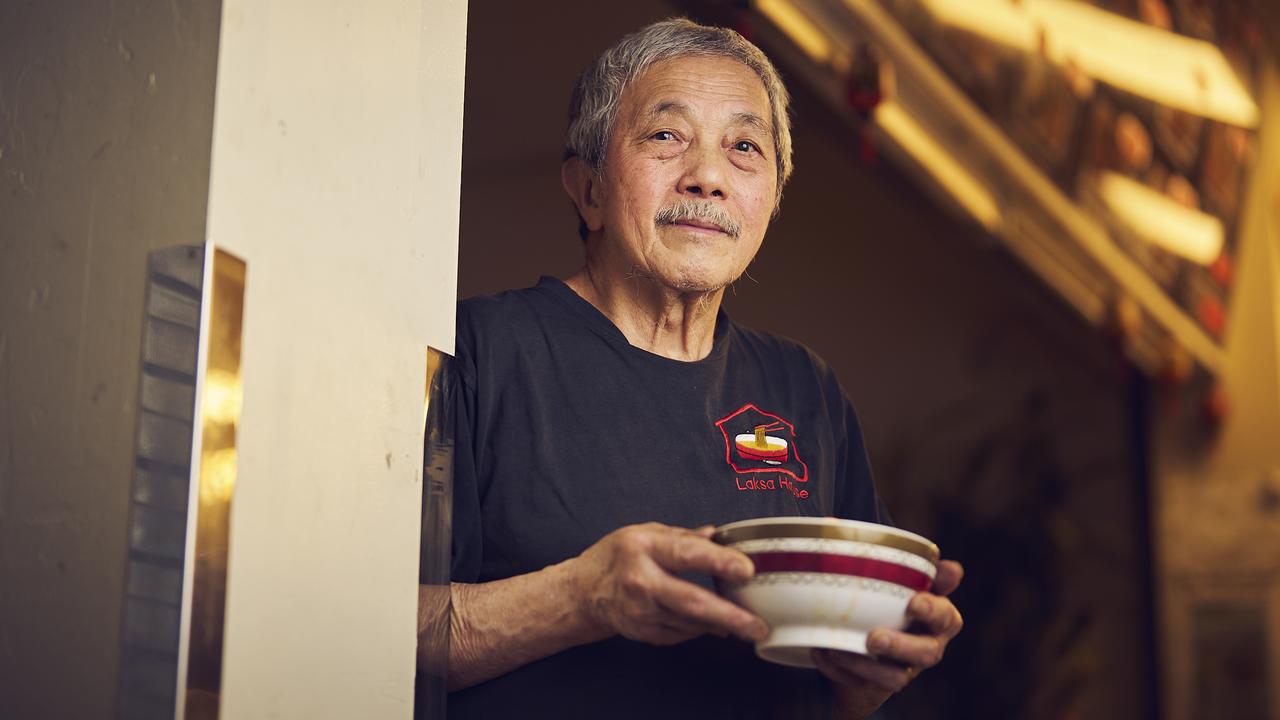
x=603, y=326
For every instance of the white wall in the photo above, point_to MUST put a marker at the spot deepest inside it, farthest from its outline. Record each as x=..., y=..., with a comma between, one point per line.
x=336, y=161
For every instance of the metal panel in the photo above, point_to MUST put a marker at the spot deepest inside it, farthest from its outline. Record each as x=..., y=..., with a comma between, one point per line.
x=164, y=547
x=162, y=469
x=434, y=559
x=220, y=405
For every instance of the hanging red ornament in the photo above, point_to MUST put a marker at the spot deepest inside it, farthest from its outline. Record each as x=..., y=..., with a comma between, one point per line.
x=862, y=83
x=867, y=150
x=1215, y=406
x=1213, y=317
x=1222, y=270
x=863, y=99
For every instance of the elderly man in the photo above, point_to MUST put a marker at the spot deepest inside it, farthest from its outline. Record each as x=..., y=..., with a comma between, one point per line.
x=595, y=414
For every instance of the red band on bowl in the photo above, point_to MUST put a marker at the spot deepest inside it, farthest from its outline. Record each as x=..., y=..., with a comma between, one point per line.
x=841, y=565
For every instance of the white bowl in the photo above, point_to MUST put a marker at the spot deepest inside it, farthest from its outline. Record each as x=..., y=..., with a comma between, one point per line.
x=826, y=582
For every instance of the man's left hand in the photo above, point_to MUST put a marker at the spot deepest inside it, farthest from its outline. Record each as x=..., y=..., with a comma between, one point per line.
x=863, y=683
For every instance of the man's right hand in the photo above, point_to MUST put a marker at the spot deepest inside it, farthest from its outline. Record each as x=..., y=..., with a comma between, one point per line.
x=627, y=585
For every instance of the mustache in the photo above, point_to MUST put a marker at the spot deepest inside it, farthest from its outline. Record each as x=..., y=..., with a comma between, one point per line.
x=702, y=211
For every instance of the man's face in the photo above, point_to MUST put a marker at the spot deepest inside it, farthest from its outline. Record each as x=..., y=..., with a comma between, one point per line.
x=690, y=173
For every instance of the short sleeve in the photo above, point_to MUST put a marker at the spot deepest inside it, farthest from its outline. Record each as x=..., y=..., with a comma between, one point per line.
x=467, y=532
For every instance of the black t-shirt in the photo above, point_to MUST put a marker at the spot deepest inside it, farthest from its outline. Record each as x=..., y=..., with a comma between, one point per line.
x=567, y=432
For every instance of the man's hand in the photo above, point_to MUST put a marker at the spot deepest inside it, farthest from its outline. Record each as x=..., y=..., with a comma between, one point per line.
x=624, y=584
x=627, y=583
x=863, y=683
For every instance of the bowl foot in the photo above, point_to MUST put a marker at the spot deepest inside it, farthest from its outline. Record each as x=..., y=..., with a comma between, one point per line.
x=791, y=645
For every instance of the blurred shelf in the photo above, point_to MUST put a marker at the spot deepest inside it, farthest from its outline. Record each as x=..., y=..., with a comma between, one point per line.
x=982, y=174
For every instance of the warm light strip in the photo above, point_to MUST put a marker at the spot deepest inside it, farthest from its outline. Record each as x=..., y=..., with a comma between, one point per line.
x=1181, y=230
x=894, y=120
x=434, y=358
x=1064, y=222
x=798, y=27
x=1170, y=69
x=219, y=417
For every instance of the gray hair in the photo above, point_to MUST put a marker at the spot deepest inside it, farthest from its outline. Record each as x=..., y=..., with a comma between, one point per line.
x=598, y=92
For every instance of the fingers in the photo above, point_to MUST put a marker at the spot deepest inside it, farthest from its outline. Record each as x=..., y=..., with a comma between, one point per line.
x=937, y=614
x=922, y=651
x=851, y=669
x=688, y=629
x=695, y=604
x=634, y=589
x=684, y=550
x=950, y=573
x=670, y=633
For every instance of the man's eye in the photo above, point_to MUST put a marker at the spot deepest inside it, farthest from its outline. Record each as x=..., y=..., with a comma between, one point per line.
x=745, y=146
x=664, y=135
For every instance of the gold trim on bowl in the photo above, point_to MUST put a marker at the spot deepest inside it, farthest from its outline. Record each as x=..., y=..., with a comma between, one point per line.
x=829, y=529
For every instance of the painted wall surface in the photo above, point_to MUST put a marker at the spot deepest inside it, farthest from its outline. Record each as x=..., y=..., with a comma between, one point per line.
x=105, y=124
x=336, y=159
x=1218, y=493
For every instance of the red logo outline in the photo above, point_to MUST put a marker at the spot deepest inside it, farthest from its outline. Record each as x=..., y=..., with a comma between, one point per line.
x=728, y=445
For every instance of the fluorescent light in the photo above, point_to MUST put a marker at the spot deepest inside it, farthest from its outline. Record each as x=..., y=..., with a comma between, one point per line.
x=788, y=18
x=1189, y=233
x=998, y=20
x=958, y=182
x=1170, y=69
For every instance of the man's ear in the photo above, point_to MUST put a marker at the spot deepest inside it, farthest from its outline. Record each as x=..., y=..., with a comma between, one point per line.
x=585, y=191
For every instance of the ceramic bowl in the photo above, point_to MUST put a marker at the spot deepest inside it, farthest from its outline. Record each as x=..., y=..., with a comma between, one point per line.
x=826, y=582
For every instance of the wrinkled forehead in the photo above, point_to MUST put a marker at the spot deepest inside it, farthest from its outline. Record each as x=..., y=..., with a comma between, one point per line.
x=706, y=87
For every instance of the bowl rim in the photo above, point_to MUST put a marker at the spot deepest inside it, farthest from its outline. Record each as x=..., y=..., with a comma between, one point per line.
x=829, y=528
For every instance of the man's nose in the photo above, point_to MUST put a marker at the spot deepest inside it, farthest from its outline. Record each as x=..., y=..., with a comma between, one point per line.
x=704, y=172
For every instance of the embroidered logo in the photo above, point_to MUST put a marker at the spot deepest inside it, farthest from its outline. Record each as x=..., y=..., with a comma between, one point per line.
x=761, y=448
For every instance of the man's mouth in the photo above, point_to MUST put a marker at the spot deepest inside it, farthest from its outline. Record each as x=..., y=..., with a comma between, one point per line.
x=701, y=225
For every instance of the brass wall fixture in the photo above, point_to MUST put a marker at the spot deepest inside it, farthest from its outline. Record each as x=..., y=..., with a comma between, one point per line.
x=176, y=569
x=220, y=405
x=434, y=559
